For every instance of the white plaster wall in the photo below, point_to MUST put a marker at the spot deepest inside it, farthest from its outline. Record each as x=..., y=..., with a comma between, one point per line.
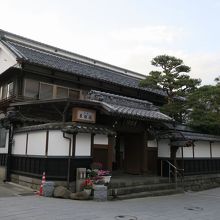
x=216, y=149
x=179, y=153
x=36, y=143
x=6, y=59
x=152, y=143
x=187, y=152
x=19, y=146
x=101, y=139
x=201, y=149
x=57, y=144
x=164, y=148
x=83, y=144
x=5, y=149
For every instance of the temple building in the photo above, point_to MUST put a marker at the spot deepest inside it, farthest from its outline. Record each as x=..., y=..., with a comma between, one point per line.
x=60, y=111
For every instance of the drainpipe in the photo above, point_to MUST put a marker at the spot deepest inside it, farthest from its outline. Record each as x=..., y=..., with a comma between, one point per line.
x=10, y=116
x=8, y=161
x=69, y=159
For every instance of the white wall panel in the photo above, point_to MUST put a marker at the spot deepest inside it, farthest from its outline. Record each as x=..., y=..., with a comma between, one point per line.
x=5, y=149
x=58, y=145
x=179, y=153
x=164, y=148
x=36, y=143
x=19, y=146
x=152, y=143
x=201, y=149
x=83, y=144
x=216, y=149
x=6, y=59
x=101, y=139
x=187, y=152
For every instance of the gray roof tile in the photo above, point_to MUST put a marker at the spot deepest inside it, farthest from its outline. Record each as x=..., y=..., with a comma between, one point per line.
x=187, y=135
x=127, y=107
x=76, y=67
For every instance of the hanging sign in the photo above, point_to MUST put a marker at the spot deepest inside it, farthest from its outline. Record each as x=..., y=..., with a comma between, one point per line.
x=83, y=115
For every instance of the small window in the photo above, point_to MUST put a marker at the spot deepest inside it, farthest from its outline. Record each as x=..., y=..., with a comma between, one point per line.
x=4, y=91
x=74, y=94
x=10, y=91
x=46, y=91
x=3, y=133
x=61, y=92
x=7, y=90
x=31, y=88
x=1, y=93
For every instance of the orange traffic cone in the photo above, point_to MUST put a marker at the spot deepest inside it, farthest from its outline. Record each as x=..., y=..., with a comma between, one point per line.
x=40, y=193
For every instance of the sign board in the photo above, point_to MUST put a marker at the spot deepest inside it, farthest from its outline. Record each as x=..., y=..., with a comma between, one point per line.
x=83, y=115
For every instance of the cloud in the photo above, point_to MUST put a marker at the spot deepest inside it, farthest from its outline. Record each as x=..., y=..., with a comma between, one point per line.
x=204, y=65
x=152, y=34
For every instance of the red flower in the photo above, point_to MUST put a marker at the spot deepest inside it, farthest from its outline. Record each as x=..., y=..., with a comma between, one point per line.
x=87, y=184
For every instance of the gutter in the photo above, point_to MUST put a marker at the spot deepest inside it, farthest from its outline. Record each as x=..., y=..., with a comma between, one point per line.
x=69, y=159
x=8, y=161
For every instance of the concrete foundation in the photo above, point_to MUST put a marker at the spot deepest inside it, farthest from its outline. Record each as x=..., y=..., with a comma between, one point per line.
x=2, y=172
x=35, y=183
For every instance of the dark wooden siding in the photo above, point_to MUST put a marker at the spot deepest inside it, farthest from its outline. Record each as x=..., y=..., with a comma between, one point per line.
x=55, y=167
x=3, y=159
x=193, y=166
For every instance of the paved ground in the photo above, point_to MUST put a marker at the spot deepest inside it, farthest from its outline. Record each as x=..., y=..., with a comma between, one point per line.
x=11, y=189
x=203, y=205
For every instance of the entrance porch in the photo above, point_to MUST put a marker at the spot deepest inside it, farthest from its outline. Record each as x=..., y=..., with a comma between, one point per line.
x=125, y=186
x=133, y=156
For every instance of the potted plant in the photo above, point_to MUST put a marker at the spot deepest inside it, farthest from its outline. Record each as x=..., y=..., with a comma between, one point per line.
x=105, y=174
x=87, y=186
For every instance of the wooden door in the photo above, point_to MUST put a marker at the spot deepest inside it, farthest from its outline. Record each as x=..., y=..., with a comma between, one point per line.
x=152, y=160
x=103, y=154
x=133, y=147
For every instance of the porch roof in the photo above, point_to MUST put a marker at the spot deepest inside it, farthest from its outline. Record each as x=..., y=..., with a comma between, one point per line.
x=193, y=136
x=127, y=107
x=69, y=127
x=88, y=128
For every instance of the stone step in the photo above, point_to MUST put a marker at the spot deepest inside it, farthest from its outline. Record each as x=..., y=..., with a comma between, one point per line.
x=147, y=194
x=140, y=188
x=115, y=183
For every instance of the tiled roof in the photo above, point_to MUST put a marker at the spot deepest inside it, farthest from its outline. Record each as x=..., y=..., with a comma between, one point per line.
x=127, y=107
x=183, y=135
x=55, y=61
x=69, y=127
x=201, y=137
x=88, y=128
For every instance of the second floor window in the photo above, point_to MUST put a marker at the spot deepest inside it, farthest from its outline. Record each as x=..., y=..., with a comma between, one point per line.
x=46, y=91
x=7, y=90
x=31, y=88
x=40, y=90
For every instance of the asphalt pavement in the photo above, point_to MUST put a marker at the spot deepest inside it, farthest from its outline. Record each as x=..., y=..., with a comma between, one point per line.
x=204, y=205
x=9, y=189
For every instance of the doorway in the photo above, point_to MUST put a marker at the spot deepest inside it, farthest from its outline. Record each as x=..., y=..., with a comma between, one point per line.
x=129, y=152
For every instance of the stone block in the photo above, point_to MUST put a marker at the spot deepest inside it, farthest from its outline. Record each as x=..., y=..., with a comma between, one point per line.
x=100, y=193
x=79, y=196
x=61, y=192
x=48, y=189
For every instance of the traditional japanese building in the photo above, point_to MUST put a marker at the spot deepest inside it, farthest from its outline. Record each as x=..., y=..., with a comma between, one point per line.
x=61, y=111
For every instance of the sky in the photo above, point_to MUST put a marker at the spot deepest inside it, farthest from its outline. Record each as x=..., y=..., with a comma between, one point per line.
x=125, y=33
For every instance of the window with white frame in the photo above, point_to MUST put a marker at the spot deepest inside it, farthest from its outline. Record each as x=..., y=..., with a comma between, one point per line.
x=7, y=90
x=0, y=92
